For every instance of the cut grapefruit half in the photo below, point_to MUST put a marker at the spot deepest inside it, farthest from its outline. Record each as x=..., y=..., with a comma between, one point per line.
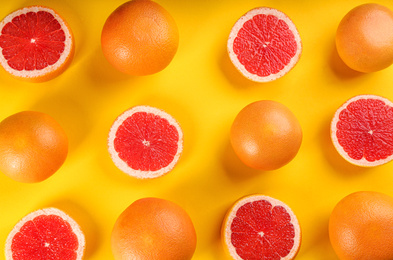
x=45, y=234
x=264, y=44
x=36, y=44
x=145, y=142
x=362, y=130
x=261, y=227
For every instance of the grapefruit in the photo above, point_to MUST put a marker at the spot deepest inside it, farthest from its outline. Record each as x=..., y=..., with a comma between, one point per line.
x=361, y=226
x=264, y=44
x=45, y=234
x=36, y=44
x=364, y=38
x=33, y=146
x=361, y=130
x=140, y=38
x=261, y=227
x=145, y=142
x=266, y=135
x=153, y=228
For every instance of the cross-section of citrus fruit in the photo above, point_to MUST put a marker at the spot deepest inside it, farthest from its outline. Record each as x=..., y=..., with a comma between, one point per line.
x=261, y=227
x=36, y=44
x=45, y=234
x=264, y=44
x=145, y=142
x=362, y=130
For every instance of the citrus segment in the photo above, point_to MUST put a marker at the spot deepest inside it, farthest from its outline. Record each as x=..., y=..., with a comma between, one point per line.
x=261, y=227
x=145, y=142
x=45, y=234
x=36, y=43
x=264, y=44
x=362, y=132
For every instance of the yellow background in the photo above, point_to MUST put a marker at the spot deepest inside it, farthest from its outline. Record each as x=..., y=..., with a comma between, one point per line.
x=204, y=92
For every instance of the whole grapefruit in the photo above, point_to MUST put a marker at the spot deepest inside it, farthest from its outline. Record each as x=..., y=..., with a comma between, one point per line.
x=33, y=146
x=266, y=135
x=153, y=228
x=140, y=38
x=364, y=38
x=361, y=226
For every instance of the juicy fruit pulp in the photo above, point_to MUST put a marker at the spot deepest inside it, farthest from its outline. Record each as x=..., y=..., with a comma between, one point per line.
x=256, y=240
x=362, y=130
x=260, y=227
x=145, y=142
x=34, y=41
x=266, y=44
x=137, y=142
x=46, y=234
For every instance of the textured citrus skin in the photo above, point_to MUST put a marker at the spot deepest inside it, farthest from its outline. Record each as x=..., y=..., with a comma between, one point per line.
x=361, y=226
x=53, y=73
x=33, y=146
x=153, y=228
x=364, y=38
x=266, y=135
x=140, y=38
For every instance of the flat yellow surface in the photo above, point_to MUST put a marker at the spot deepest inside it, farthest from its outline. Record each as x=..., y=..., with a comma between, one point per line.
x=204, y=92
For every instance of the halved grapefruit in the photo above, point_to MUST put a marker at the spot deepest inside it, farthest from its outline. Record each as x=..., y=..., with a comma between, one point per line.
x=264, y=44
x=45, y=234
x=145, y=142
x=362, y=130
x=36, y=44
x=261, y=227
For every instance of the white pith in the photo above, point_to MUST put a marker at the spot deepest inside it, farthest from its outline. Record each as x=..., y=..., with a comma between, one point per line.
x=333, y=129
x=67, y=44
x=47, y=211
x=123, y=166
x=232, y=214
x=239, y=24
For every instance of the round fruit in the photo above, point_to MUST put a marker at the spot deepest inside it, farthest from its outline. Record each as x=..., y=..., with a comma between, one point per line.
x=33, y=146
x=153, y=228
x=362, y=130
x=264, y=44
x=364, y=38
x=140, y=38
x=145, y=142
x=36, y=44
x=261, y=227
x=361, y=226
x=266, y=135
x=45, y=234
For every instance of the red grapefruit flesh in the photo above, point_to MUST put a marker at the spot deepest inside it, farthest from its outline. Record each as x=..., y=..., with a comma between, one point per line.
x=145, y=142
x=36, y=44
x=362, y=130
x=264, y=44
x=261, y=227
x=45, y=234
